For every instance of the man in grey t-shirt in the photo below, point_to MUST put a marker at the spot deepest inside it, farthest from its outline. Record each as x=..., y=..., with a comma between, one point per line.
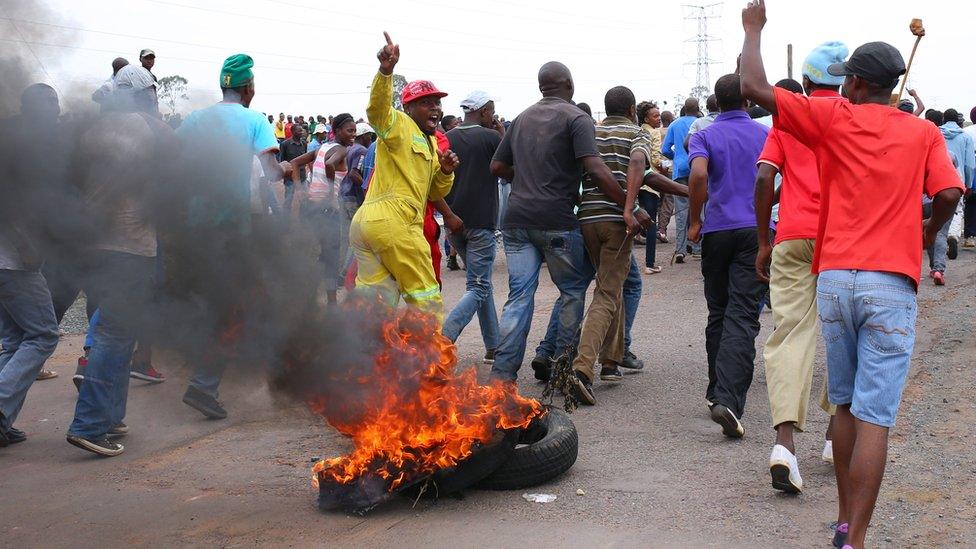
x=544, y=153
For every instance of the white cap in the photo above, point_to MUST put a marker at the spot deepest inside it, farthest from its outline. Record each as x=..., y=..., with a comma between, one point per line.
x=475, y=100
x=320, y=128
x=363, y=128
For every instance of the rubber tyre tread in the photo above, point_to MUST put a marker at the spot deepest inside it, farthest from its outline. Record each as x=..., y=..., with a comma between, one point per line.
x=542, y=459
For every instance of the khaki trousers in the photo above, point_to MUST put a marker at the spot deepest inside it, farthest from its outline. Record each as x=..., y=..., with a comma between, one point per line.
x=603, y=326
x=791, y=348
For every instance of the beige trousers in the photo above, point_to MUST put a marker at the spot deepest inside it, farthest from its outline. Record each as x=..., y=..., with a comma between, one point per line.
x=602, y=335
x=791, y=348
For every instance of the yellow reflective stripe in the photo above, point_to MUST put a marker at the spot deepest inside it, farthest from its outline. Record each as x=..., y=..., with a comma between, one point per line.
x=424, y=294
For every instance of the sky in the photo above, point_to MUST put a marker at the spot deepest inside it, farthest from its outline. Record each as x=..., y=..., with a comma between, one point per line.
x=319, y=57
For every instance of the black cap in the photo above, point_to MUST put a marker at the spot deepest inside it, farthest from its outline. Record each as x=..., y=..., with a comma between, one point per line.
x=877, y=62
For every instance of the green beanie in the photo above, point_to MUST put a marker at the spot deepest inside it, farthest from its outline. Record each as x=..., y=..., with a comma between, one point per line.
x=236, y=71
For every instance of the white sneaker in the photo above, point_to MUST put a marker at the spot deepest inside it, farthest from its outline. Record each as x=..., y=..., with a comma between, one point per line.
x=970, y=242
x=828, y=452
x=785, y=471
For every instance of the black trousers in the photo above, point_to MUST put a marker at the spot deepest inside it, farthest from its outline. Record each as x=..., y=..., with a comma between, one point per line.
x=970, y=216
x=733, y=293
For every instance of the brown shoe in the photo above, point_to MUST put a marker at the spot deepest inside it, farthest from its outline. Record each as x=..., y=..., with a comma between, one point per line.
x=46, y=374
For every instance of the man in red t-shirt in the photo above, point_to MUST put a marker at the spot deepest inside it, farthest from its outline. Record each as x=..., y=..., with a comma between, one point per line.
x=791, y=348
x=874, y=162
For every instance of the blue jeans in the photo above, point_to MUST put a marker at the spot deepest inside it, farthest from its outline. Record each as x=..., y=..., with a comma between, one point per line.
x=650, y=202
x=207, y=379
x=122, y=284
x=868, y=324
x=477, y=248
x=504, y=189
x=681, y=223
x=28, y=334
x=90, y=334
x=633, y=288
x=566, y=261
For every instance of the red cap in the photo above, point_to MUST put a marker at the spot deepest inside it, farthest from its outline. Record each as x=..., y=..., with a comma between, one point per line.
x=420, y=88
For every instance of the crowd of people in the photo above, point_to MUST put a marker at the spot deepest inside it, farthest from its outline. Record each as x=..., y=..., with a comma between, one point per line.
x=814, y=198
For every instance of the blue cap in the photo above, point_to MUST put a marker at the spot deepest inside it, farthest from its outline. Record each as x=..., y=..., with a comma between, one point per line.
x=824, y=55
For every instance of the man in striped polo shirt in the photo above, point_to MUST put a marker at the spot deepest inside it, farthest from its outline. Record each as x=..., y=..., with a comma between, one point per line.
x=625, y=148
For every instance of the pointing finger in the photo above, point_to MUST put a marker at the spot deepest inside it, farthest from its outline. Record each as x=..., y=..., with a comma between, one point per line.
x=389, y=41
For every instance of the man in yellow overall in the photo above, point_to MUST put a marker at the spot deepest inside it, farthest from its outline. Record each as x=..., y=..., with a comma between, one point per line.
x=387, y=231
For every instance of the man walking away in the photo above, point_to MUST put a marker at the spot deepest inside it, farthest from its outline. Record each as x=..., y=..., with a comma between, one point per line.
x=625, y=149
x=723, y=174
x=790, y=350
x=544, y=153
x=223, y=212
x=28, y=327
x=960, y=146
x=666, y=210
x=121, y=267
x=475, y=200
x=869, y=247
x=969, y=218
x=674, y=148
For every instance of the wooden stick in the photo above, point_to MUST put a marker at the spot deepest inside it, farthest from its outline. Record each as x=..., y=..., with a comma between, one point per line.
x=910, y=59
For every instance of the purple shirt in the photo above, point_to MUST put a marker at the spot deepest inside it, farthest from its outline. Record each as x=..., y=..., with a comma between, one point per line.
x=732, y=145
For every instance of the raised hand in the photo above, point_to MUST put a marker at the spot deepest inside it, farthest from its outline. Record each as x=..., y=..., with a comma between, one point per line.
x=754, y=16
x=449, y=161
x=388, y=55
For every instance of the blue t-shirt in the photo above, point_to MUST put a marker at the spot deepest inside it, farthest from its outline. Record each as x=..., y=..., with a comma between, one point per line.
x=219, y=144
x=673, y=146
x=732, y=145
x=369, y=162
x=313, y=145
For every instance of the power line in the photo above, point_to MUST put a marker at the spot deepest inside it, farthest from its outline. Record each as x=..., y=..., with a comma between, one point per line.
x=34, y=55
x=701, y=14
x=495, y=46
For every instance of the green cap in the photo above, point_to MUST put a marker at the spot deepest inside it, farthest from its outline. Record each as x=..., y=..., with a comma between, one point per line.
x=236, y=71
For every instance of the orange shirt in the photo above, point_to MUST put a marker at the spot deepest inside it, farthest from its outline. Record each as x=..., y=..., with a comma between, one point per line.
x=799, y=194
x=875, y=162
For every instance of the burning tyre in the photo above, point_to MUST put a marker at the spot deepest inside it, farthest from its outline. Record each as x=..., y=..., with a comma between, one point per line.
x=546, y=449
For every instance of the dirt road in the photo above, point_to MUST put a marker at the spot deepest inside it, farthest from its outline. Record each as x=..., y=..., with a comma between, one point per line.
x=655, y=470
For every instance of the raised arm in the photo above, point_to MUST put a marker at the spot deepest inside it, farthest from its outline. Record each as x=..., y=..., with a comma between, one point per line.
x=379, y=111
x=755, y=86
x=919, y=106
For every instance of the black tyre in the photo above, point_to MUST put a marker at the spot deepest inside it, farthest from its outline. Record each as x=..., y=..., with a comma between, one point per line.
x=481, y=463
x=547, y=449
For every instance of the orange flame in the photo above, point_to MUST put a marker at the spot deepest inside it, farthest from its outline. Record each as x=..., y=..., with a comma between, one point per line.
x=422, y=418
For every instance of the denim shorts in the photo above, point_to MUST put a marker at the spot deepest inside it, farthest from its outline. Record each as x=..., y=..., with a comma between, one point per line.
x=868, y=324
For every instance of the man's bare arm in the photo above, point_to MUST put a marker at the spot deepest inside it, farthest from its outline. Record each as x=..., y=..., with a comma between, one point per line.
x=662, y=184
x=765, y=195
x=755, y=85
x=502, y=170
x=697, y=195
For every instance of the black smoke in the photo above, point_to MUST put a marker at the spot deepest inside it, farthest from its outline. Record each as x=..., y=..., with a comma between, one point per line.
x=237, y=292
